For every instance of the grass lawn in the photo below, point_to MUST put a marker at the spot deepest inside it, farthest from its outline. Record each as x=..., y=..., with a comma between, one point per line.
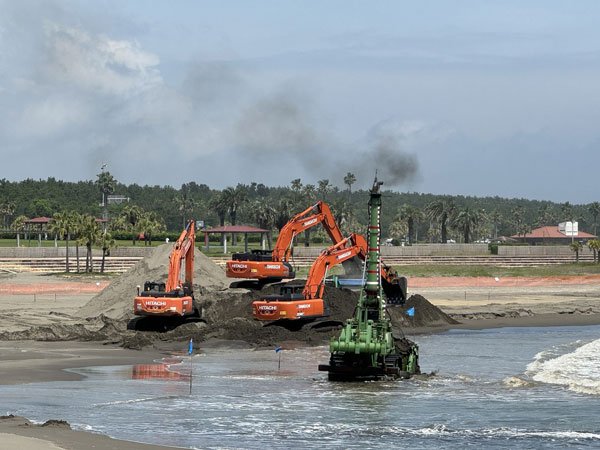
x=482, y=271
x=493, y=271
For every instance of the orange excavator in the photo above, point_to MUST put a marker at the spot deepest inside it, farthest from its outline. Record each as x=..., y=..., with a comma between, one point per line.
x=266, y=266
x=173, y=300
x=297, y=302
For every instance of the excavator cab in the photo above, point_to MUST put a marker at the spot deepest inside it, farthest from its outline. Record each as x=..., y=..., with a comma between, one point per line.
x=254, y=255
x=286, y=293
x=154, y=287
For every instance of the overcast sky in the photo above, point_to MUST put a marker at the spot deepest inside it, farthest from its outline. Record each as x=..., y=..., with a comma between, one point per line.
x=448, y=97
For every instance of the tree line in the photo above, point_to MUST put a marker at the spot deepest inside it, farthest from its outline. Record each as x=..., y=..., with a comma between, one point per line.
x=406, y=216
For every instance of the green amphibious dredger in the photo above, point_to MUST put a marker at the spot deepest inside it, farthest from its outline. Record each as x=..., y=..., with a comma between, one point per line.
x=366, y=348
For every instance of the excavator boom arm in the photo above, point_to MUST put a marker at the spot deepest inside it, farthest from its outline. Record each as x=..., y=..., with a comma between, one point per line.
x=183, y=250
x=316, y=214
x=353, y=245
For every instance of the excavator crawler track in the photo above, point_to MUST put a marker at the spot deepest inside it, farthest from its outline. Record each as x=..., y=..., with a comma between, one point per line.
x=350, y=367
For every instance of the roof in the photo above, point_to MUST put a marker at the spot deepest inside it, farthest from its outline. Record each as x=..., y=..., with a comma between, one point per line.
x=236, y=229
x=551, y=232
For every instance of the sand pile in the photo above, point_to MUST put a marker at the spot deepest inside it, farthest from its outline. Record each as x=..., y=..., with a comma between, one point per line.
x=228, y=317
x=100, y=328
x=226, y=312
x=116, y=301
x=426, y=316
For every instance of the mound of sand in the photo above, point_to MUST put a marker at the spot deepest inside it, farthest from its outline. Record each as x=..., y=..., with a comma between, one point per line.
x=116, y=301
x=426, y=316
x=226, y=312
x=228, y=317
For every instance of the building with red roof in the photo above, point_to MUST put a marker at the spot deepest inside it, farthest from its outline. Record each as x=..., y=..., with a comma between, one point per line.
x=554, y=234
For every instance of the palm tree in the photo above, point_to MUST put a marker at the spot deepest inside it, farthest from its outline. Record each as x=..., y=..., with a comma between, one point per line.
x=518, y=220
x=7, y=209
x=349, y=180
x=283, y=212
x=398, y=230
x=219, y=205
x=19, y=225
x=107, y=183
x=545, y=216
x=309, y=194
x=185, y=204
x=567, y=211
x=344, y=217
x=296, y=186
x=495, y=217
x=594, y=245
x=441, y=211
x=129, y=217
x=309, y=197
x=323, y=188
x=576, y=247
x=76, y=226
x=90, y=234
x=61, y=226
x=466, y=220
x=594, y=210
x=234, y=198
x=149, y=225
x=264, y=216
x=106, y=242
x=410, y=215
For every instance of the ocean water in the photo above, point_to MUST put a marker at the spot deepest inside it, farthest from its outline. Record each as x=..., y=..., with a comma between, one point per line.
x=502, y=388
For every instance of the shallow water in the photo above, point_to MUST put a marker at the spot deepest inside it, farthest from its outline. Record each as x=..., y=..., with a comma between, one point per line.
x=501, y=388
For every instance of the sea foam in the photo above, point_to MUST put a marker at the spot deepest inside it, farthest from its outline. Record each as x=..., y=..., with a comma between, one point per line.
x=578, y=370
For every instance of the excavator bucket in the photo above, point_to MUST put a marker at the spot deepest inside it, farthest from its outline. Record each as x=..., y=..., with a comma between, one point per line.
x=395, y=290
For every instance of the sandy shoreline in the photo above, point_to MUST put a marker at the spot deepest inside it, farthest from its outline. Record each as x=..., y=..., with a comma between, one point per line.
x=18, y=432
x=476, y=303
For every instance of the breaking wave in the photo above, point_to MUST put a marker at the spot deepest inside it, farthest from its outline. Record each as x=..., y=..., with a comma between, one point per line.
x=578, y=370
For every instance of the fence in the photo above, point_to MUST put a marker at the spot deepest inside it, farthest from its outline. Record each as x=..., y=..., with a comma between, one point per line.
x=61, y=252
x=413, y=250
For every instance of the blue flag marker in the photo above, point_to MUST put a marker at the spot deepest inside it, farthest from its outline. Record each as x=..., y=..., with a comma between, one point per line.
x=191, y=347
x=410, y=312
x=278, y=350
